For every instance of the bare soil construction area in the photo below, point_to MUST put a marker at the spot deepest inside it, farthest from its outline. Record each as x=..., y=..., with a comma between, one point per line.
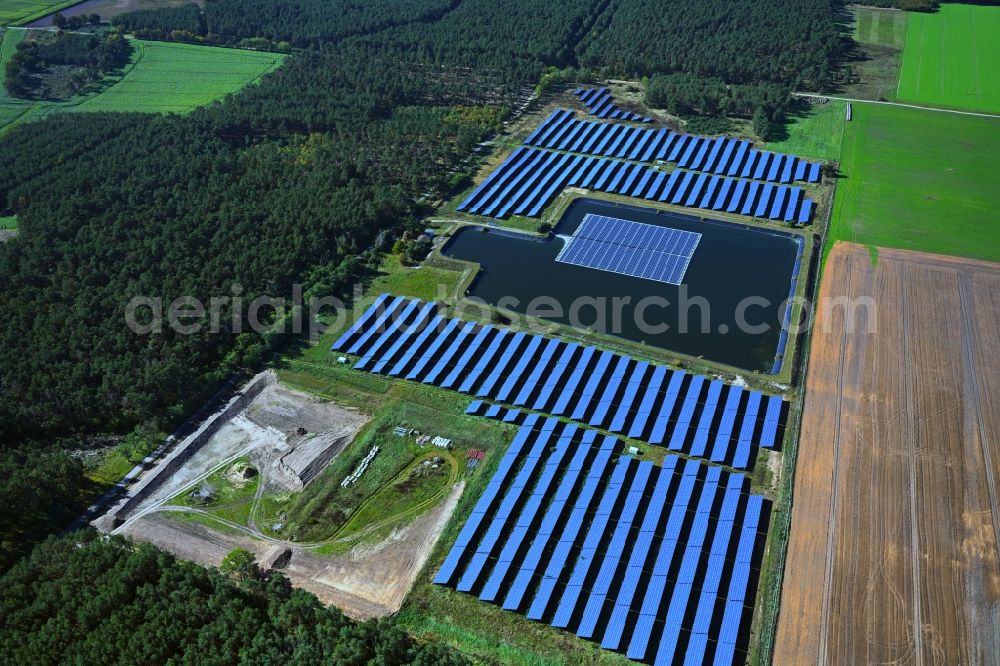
x=289, y=437
x=368, y=581
x=893, y=553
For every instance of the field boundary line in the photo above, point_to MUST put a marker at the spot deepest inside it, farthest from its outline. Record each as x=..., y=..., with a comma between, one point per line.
x=908, y=378
x=901, y=104
x=824, y=629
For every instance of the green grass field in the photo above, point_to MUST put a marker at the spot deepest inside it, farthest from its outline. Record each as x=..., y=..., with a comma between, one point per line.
x=166, y=77
x=19, y=12
x=8, y=222
x=162, y=77
x=919, y=180
x=886, y=27
x=952, y=58
x=817, y=131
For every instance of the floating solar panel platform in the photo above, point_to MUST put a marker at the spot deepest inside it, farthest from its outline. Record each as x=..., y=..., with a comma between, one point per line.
x=653, y=562
x=631, y=248
x=405, y=338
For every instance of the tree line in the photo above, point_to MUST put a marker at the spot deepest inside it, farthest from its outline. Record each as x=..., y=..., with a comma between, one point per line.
x=88, y=599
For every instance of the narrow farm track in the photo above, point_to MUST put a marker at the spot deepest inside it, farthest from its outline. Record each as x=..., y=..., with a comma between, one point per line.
x=902, y=104
x=895, y=497
x=835, y=485
x=909, y=414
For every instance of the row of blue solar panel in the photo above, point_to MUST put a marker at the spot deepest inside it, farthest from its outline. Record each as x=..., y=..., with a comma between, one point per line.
x=531, y=179
x=632, y=555
x=407, y=338
x=600, y=103
x=716, y=155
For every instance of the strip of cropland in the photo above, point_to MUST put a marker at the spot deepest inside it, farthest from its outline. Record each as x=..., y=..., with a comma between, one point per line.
x=162, y=77
x=19, y=12
x=952, y=58
x=919, y=180
x=895, y=527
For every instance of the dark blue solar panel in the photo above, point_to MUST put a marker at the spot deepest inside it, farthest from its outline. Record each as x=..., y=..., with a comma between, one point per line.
x=793, y=204
x=771, y=421
x=780, y=197
x=472, y=379
x=710, y=189
x=414, y=350
x=612, y=555
x=764, y=201
x=806, y=211
x=683, y=424
x=600, y=413
x=716, y=565
x=736, y=596
x=437, y=343
x=786, y=172
x=590, y=389
x=659, y=432
x=632, y=390
x=569, y=391
x=688, y=570
x=722, y=197
x=720, y=448
x=554, y=518
x=553, y=376
x=701, y=434
x=736, y=166
x=377, y=325
x=713, y=155
x=652, y=389
x=679, y=147
x=461, y=340
x=595, y=535
x=696, y=189
x=574, y=524
x=760, y=170
x=539, y=368
x=485, y=501
x=814, y=174
x=657, y=584
x=463, y=361
x=753, y=194
x=368, y=315
x=736, y=200
x=424, y=317
x=392, y=329
x=499, y=369
x=519, y=532
x=699, y=158
x=657, y=139
x=777, y=162
x=504, y=512
x=612, y=635
x=524, y=359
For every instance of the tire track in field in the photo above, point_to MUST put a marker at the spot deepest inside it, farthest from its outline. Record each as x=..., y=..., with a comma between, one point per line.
x=824, y=627
x=972, y=381
x=910, y=434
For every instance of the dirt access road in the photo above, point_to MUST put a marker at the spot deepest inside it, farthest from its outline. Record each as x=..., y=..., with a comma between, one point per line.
x=893, y=553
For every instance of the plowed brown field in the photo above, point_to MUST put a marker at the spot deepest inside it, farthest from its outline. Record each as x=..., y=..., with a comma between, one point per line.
x=893, y=554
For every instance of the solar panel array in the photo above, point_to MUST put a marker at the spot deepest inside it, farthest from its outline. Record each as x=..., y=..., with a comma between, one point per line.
x=657, y=563
x=722, y=156
x=600, y=103
x=408, y=338
x=631, y=248
x=530, y=179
